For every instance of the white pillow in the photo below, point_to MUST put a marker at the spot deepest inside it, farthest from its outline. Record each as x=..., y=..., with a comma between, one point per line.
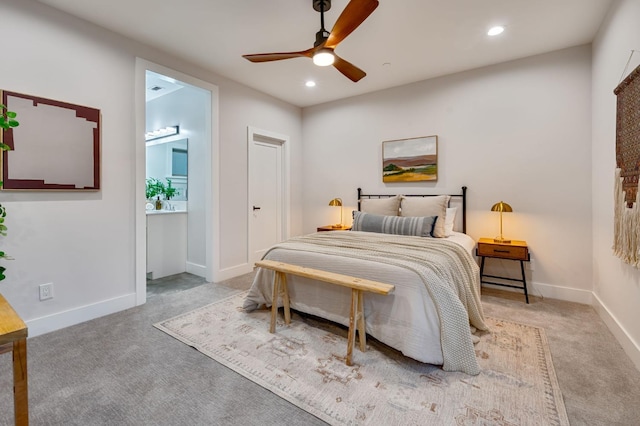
x=449, y=220
x=427, y=206
x=382, y=206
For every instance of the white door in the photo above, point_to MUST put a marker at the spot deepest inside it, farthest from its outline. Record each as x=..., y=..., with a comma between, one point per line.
x=267, y=213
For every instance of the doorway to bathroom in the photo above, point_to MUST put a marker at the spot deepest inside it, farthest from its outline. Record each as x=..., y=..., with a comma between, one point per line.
x=176, y=226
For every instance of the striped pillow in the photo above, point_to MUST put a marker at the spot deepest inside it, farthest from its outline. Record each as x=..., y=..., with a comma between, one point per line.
x=416, y=226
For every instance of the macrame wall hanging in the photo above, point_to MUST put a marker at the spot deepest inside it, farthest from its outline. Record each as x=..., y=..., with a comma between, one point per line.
x=626, y=243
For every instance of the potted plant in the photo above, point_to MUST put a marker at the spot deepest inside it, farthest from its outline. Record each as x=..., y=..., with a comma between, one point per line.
x=155, y=188
x=7, y=121
x=169, y=190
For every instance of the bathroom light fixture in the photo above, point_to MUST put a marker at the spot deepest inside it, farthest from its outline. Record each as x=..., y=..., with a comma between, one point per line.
x=324, y=57
x=494, y=31
x=161, y=133
x=501, y=207
x=310, y=83
x=337, y=202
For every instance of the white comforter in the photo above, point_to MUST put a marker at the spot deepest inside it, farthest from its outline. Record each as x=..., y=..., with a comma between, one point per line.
x=427, y=317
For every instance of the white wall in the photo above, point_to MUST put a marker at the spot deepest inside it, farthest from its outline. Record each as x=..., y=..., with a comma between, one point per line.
x=616, y=284
x=84, y=243
x=239, y=107
x=518, y=132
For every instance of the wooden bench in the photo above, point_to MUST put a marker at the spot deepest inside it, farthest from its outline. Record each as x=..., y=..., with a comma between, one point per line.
x=357, y=285
x=13, y=338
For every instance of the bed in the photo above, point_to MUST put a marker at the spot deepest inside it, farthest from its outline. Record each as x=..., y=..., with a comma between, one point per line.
x=407, y=241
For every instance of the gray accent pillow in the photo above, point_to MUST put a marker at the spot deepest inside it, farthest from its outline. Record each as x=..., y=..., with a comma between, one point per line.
x=416, y=226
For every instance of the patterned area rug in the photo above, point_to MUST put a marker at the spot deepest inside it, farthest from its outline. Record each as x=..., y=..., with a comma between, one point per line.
x=304, y=364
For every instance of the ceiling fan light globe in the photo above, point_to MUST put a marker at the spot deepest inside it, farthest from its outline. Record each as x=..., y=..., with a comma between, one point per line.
x=323, y=58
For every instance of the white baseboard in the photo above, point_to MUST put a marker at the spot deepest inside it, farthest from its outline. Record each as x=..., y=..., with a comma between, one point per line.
x=568, y=294
x=195, y=269
x=631, y=347
x=234, y=271
x=57, y=321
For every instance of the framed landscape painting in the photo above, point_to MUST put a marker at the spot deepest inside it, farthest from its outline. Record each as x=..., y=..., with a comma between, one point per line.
x=410, y=160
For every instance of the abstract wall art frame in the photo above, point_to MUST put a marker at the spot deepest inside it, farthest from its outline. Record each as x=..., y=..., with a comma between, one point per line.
x=410, y=160
x=55, y=147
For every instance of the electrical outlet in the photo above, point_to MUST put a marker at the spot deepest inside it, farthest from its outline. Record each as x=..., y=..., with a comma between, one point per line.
x=46, y=291
x=532, y=264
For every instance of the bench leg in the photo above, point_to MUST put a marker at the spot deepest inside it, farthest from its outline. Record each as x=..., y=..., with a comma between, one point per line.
x=356, y=321
x=274, y=302
x=279, y=283
x=285, y=299
x=361, y=327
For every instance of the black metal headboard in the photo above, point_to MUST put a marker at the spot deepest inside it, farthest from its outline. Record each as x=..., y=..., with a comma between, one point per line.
x=463, y=195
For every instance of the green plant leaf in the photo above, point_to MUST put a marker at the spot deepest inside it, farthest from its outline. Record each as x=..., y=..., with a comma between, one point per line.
x=5, y=147
x=13, y=123
x=11, y=114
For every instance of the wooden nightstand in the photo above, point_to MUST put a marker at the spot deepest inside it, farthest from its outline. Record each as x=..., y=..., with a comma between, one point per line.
x=515, y=250
x=331, y=228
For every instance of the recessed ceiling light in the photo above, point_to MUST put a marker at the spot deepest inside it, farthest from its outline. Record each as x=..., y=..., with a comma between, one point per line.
x=310, y=83
x=495, y=31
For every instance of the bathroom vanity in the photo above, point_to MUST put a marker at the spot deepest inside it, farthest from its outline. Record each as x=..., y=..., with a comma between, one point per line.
x=166, y=243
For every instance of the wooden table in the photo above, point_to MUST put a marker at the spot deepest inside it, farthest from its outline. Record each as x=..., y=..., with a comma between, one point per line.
x=13, y=338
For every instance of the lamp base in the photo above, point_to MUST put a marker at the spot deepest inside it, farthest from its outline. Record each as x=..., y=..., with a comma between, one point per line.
x=501, y=240
x=337, y=226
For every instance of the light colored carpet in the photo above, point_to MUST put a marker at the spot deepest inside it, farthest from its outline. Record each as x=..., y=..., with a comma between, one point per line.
x=304, y=364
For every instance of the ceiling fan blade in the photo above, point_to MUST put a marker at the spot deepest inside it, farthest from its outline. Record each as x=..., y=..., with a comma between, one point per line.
x=349, y=70
x=268, y=57
x=351, y=17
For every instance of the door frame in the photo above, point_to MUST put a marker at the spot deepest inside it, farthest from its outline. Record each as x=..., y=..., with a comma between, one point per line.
x=212, y=173
x=267, y=136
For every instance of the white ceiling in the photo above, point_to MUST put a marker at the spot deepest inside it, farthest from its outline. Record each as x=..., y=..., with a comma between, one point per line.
x=403, y=41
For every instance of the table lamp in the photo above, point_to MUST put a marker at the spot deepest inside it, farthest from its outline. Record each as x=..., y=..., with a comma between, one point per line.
x=337, y=202
x=501, y=207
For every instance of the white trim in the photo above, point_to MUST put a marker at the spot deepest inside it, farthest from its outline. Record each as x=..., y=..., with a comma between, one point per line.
x=283, y=141
x=549, y=291
x=212, y=213
x=140, y=212
x=59, y=320
x=195, y=269
x=234, y=271
x=569, y=294
x=631, y=347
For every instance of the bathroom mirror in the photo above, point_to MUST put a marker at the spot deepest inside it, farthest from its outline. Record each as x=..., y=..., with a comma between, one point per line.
x=167, y=158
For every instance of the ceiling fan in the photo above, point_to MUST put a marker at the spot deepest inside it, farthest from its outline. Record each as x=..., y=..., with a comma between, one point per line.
x=322, y=51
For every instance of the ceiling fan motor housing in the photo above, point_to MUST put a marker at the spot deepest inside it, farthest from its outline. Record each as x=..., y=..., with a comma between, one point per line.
x=321, y=37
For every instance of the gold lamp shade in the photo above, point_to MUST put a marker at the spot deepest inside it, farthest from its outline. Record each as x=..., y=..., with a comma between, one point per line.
x=501, y=207
x=337, y=202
